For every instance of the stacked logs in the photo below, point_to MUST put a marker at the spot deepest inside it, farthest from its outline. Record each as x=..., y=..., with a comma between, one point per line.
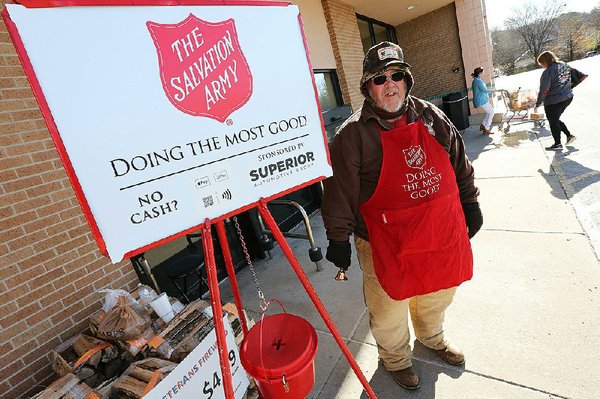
x=67, y=387
x=92, y=360
x=185, y=331
x=140, y=378
x=113, y=369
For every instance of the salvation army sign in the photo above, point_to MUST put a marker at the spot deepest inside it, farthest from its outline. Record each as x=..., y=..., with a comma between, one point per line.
x=167, y=116
x=202, y=67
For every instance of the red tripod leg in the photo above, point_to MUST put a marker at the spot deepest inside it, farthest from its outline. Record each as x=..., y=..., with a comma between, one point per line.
x=231, y=273
x=268, y=218
x=215, y=299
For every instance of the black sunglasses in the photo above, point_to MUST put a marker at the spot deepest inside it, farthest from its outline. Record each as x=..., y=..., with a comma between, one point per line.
x=396, y=77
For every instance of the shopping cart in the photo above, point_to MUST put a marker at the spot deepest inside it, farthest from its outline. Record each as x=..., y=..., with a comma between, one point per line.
x=518, y=104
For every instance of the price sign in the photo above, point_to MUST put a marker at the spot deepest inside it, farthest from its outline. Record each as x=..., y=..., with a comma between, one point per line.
x=199, y=376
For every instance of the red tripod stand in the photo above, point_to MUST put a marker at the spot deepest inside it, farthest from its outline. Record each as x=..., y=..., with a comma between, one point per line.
x=215, y=296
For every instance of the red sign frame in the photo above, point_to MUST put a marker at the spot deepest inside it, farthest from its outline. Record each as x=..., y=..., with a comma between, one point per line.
x=53, y=129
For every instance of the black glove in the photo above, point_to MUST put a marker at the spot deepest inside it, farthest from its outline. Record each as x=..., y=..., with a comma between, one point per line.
x=338, y=253
x=473, y=217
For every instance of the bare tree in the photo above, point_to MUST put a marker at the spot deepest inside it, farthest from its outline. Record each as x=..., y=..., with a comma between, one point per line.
x=595, y=17
x=594, y=24
x=507, y=49
x=536, y=25
x=573, y=38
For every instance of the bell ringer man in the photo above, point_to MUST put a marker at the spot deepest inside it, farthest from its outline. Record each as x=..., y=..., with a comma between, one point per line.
x=403, y=185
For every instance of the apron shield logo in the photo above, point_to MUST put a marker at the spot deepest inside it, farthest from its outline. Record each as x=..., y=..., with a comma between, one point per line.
x=414, y=157
x=202, y=67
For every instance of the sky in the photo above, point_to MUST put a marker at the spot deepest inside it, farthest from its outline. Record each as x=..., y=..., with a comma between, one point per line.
x=499, y=10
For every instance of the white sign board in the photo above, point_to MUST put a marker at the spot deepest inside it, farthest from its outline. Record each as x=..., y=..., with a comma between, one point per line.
x=172, y=115
x=199, y=374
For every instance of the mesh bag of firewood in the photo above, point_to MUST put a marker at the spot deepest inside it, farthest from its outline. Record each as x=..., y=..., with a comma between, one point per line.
x=124, y=322
x=92, y=360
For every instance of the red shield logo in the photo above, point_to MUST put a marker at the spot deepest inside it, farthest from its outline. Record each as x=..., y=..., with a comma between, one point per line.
x=414, y=156
x=202, y=66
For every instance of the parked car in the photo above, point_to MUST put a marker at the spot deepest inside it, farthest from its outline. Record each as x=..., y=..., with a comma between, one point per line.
x=590, y=54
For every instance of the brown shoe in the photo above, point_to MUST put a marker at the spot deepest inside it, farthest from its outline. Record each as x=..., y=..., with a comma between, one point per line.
x=485, y=131
x=481, y=128
x=452, y=355
x=406, y=378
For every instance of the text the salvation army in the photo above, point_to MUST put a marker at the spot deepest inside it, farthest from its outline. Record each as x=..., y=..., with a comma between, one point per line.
x=203, y=67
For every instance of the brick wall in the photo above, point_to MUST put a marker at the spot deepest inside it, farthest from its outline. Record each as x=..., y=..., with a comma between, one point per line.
x=347, y=49
x=50, y=267
x=432, y=47
x=476, y=40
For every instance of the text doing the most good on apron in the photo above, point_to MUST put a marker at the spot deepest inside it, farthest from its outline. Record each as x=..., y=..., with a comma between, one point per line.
x=416, y=225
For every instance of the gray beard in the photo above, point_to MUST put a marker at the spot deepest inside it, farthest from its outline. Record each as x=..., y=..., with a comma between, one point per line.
x=391, y=108
x=388, y=108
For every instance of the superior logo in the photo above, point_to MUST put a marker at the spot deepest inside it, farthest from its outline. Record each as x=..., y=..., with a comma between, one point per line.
x=281, y=166
x=202, y=67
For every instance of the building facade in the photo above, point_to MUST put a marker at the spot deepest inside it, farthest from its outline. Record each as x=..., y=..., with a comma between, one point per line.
x=50, y=266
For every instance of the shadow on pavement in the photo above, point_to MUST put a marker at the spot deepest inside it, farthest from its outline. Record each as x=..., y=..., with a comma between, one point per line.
x=475, y=142
x=383, y=383
x=542, y=132
x=557, y=190
x=567, y=171
x=478, y=143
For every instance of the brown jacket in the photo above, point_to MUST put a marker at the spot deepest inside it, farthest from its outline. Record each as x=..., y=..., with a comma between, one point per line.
x=356, y=157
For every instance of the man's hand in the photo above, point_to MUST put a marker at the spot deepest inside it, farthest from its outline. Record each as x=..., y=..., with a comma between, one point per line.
x=473, y=217
x=535, y=110
x=339, y=253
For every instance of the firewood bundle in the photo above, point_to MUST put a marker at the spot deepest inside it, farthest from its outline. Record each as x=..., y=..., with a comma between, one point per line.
x=92, y=360
x=106, y=368
x=234, y=320
x=176, y=339
x=95, y=320
x=67, y=387
x=131, y=349
x=140, y=378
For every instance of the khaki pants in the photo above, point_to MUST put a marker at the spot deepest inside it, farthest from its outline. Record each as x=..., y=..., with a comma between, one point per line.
x=389, y=318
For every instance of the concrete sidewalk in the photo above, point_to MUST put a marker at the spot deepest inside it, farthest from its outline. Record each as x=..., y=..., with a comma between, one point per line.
x=528, y=321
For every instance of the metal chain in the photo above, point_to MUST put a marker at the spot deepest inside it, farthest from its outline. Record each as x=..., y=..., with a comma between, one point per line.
x=262, y=302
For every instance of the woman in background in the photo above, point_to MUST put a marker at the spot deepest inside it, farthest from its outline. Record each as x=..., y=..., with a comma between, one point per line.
x=556, y=94
x=481, y=100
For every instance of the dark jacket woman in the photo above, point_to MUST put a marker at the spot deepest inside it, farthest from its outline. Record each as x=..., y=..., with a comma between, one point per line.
x=556, y=94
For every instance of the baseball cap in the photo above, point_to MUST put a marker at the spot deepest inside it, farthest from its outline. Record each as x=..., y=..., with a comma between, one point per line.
x=382, y=56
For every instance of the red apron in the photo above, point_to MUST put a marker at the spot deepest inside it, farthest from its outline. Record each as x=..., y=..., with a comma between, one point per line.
x=416, y=225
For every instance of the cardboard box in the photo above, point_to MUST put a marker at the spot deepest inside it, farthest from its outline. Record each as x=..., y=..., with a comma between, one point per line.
x=536, y=116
